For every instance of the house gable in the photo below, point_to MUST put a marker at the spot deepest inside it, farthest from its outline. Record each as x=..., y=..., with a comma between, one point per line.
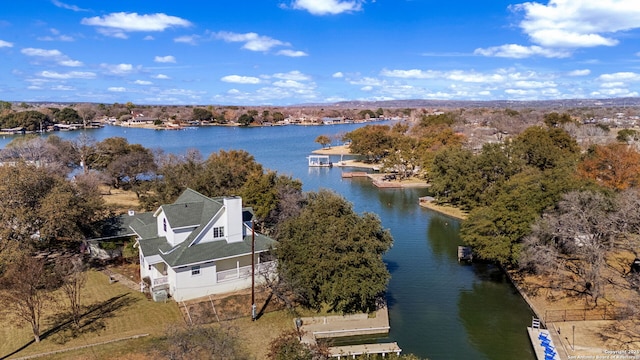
x=197, y=229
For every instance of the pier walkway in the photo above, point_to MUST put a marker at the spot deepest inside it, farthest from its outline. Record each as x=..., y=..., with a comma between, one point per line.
x=323, y=327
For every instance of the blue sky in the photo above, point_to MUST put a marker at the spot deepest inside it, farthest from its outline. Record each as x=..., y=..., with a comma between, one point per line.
x=284, y=52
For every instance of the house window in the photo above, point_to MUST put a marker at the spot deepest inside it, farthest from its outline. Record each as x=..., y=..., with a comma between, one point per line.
x=164, y=224
x=195, y=270
x=218, y=232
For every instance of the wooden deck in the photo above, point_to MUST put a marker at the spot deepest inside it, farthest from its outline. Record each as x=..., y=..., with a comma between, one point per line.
x=355, y=350
x=353, y=174
x=322, y=327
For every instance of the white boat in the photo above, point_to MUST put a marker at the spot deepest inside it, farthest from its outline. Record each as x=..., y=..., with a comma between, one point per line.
x=319, y=161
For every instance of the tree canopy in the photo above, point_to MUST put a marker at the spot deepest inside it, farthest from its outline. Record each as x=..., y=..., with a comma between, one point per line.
x=333, y=256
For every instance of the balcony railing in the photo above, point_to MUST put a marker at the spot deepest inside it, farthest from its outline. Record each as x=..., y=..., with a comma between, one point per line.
x=244, y=272
x=159, y=281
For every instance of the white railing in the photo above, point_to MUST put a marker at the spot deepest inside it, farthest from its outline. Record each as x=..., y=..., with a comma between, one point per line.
x=244, y=272
x=159, y=281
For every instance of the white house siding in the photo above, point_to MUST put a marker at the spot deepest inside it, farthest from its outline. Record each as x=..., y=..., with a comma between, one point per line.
x=207, y=235
x=185, y=286
x=233, y=217
x=180, y=235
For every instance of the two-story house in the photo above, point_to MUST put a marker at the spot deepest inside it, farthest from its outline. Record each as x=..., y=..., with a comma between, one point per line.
x=200, y=246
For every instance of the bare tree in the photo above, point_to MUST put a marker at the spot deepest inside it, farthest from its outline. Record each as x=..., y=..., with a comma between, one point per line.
x=87, y=113
x=575, y=238
x=72, y=273
x=26, y=293
x=204, y=342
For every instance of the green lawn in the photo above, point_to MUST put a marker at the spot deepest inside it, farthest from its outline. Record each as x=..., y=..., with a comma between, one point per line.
x=118, y=312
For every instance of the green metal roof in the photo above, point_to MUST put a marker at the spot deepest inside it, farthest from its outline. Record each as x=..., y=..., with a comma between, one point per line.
x=193, y=209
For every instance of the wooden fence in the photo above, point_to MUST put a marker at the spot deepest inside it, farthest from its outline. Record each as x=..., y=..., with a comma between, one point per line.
x=600, y=313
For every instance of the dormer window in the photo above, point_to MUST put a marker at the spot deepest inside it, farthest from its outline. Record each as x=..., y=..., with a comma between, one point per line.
x=164, y=224
x=218, y=232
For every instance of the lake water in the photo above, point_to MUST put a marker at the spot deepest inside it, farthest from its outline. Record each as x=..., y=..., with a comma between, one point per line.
x=438, y=308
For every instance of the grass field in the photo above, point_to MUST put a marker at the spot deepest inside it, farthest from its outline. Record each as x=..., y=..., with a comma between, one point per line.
x=115, y=312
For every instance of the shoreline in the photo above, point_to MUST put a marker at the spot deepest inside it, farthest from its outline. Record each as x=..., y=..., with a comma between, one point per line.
x=443, y=209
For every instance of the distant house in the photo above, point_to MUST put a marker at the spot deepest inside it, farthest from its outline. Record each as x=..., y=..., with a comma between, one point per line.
x=200, y=246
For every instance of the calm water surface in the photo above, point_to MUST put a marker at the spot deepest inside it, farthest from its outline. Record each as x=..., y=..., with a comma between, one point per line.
x=438, y=308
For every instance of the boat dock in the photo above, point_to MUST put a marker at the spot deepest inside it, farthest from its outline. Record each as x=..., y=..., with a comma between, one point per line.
x=354, y=174
x=543, y=344
x=356, y=350
x=322, y=327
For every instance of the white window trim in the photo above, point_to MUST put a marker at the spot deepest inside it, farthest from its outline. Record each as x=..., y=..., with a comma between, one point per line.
x=195, y=270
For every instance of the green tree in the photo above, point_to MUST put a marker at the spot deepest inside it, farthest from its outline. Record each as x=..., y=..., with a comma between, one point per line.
x=201, y=114
x=278, y=116
x=225, y=172
x=451, y=175
x=546, y=148
x=30, y=120
x=373, y=141
x=333, y=256
x=68, y=116
x=44, y=206
x=554, y=119
x=268, y=194
x=627, y=135
x=323, y=140
x=245, y=119
x=496, y=231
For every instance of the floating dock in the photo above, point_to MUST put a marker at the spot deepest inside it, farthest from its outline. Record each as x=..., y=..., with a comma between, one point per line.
x=357, y=350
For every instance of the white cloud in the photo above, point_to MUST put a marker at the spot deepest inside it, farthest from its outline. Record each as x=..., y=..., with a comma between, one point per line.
x=67, y=6
x=366, y=88
x=165, y=59
x=142, y=82
x=237, y=79
x=63, y=88
x=187, y=39
x=327, y=7
x=148, y=38
x=578, y=23
x=5, y=44
x=473, y=77
x=162, y=77
x=582, y=72
x=41, y=52
x=292, y=53
x=252, y=41
x=338, y=75
x=292, y=75
x=70, y=63
x=130, y=22
x=119, y=69
x=117, y=89
x=535, y=84
x=367, y=81
x=410, y=74
x=519, y=52
x=56, y=36
x=615, y=84
x=69, y=75
x=620, y=76
x=289, y=84
x=53, y=55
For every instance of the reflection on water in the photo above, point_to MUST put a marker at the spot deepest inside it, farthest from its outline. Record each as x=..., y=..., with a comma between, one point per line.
x=490, y=311
x=438, y=308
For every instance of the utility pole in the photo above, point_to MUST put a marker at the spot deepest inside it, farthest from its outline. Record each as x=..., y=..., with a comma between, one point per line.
x=253, y=271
